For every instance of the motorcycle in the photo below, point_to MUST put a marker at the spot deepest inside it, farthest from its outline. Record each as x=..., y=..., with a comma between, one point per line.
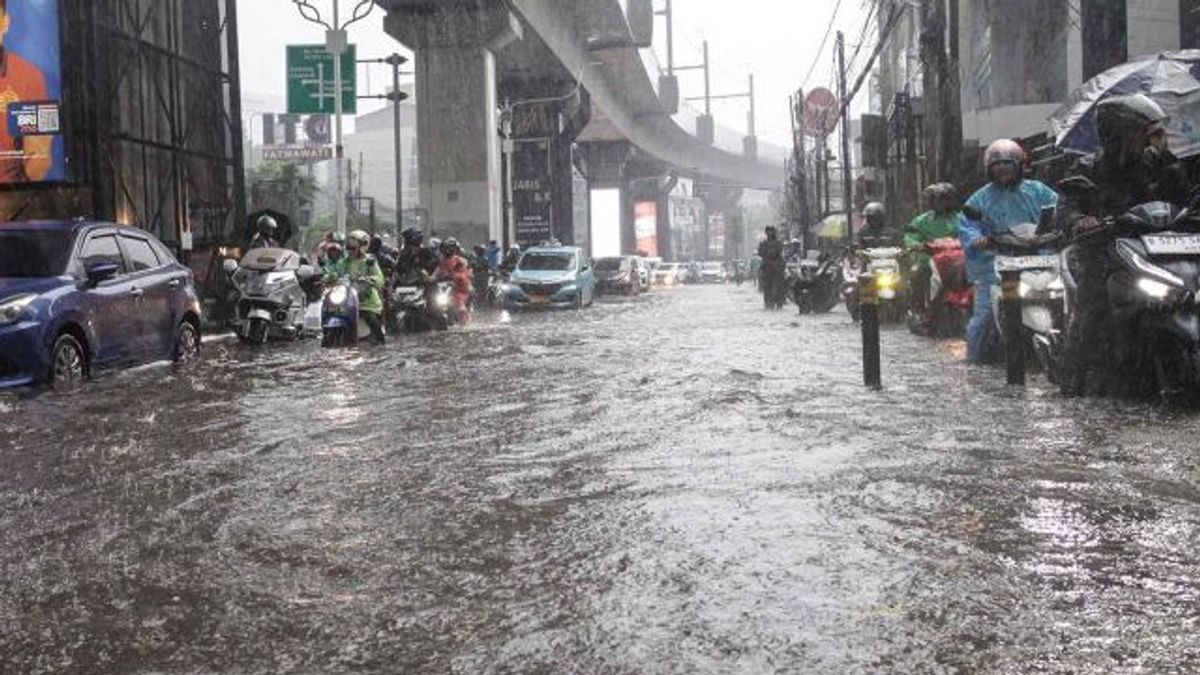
x=816, y=288
x=272, y=291
x=943, y=311
x=884, y=264
x=1153, y=282
x=1024, y=250
x=420, y=308
x=340, y=324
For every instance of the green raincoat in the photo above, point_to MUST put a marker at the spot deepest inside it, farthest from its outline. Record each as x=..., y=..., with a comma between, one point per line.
x=927, y=227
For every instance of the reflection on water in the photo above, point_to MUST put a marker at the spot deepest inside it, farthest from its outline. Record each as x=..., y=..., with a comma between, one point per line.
x=678, y=484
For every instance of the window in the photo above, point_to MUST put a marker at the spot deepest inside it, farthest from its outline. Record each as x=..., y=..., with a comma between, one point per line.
x=141, y=255
x=102, y=249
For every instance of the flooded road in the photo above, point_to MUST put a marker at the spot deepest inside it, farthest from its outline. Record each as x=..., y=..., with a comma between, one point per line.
x=682, y=484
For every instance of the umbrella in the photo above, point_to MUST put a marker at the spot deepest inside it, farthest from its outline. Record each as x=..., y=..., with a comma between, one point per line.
x=1172, y=79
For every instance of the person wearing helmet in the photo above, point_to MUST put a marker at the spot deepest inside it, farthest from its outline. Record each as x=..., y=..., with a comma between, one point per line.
x=415, y=263
x=367, y=276
x=939, y=222
x=874, y=232
x=1132, y=167
x=494, y=255
x=1008, y=199
x=455, y=269
x=511, y=259
x=266, y=232
x=481, y=274
x=773, y=269
x=333, y=260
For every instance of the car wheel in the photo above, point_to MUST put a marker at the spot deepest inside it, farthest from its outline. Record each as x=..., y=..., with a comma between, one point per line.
x=187, y=342
x=68, y=362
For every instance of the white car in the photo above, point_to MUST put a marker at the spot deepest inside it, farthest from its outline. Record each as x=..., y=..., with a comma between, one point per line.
x=669, y=274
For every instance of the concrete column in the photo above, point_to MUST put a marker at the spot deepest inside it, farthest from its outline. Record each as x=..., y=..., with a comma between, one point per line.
x=458, y=142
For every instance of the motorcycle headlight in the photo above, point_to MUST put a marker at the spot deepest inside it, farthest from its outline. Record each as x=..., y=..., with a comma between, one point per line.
x=337, y=296
x=1153, y=288
x=442, y=300
x=11, y=309
x=1135, y=260
x=887, y=281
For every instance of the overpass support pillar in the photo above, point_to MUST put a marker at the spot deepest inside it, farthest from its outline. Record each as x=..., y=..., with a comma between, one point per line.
x=458, y=142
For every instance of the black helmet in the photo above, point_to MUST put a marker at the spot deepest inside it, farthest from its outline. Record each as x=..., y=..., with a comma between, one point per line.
x=1121, y=116
x=449, y=246
x=267, y=226
x=412, y=236
x=874, y=213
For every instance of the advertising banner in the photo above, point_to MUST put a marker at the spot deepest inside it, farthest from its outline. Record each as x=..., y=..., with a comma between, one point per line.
x=531, y=191
x=31, y=146
x=645, y=227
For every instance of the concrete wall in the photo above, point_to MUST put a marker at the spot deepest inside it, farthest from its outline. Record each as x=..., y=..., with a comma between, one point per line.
x=1153, y=27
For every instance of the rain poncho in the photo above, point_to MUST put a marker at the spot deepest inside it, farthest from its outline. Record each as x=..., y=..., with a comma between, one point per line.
x=927, y=227
x=368, y=278
x=1002, y=208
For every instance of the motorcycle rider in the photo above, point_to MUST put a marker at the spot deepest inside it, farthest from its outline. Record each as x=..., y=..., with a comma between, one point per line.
x=874, y=233
x=494, y=255
x=940, y=222
x=415, y=262
x=333, y=265
x=1132, y=167
x=267, y=230
x=773, y=268
x=1008, y=199
x=511, y=259
x=455, y=269
x=481, y=274
x=367, y=277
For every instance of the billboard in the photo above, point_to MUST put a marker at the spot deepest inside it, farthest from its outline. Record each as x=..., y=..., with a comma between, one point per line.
x=531, y=192
x=645, y=227
x=31, y=145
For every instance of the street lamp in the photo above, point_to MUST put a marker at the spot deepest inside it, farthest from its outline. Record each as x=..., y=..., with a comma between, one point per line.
x=396, y=97
x=335, y=44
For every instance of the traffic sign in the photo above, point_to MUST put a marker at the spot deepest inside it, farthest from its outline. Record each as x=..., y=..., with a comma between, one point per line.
x=821, y=112
x=310, y=80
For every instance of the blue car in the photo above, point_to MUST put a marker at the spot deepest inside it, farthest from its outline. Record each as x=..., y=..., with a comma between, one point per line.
x=78, y=297
x=552, y=276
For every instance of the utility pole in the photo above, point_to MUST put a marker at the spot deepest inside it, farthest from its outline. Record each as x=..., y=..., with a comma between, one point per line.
x=396, y=97
x=670, y=16
x=707, y=87
x=751, y=122
x=847, y=186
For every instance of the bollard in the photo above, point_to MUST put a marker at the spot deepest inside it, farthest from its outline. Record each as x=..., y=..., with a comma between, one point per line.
x=1012, y=327
x=868, y=308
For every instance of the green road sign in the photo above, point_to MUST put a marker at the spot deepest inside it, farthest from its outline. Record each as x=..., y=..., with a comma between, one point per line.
x=310, y=80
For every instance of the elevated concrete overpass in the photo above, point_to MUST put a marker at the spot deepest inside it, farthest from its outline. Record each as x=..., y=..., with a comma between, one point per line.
x=573, y=82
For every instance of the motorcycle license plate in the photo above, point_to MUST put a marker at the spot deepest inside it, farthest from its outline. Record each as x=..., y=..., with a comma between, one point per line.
x=1026, y=262
x=539, y=300
x=1172, y=244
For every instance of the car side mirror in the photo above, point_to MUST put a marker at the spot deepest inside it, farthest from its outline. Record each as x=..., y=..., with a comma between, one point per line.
x=230, y=266
x=100, y=272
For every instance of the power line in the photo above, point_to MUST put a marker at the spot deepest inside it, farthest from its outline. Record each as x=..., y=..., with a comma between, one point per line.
x=825, y=40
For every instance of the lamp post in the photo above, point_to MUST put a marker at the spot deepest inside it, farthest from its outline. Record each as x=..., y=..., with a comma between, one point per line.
x=335, y=44
x=396, y=97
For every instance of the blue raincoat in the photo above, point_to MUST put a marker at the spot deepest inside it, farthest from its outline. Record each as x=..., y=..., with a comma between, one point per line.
x=1002, y=208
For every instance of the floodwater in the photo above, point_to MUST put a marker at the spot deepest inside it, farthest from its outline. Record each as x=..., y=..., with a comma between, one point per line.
x=679, y=484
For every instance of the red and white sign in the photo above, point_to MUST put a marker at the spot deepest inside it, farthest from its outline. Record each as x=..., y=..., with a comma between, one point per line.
x=821, y=112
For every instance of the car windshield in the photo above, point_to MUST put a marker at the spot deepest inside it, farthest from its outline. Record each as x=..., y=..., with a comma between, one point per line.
x=608, y=264
x=545, y=262
x=34, y=253
x=712, y=267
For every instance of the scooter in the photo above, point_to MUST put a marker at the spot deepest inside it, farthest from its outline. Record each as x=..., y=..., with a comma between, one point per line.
x=340, y=324
x=1153, y=283
x=817, y=287
x=945, y=309
x=884, y=264
x=1028, y=250
x=423, y=308
x=271, y=290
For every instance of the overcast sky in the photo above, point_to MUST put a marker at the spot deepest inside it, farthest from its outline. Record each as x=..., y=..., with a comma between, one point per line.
x=777, y=40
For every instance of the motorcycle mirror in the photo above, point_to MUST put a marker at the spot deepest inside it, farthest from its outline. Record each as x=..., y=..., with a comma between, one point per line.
x=306, y=272
x=1076, y=185
x=230, y=266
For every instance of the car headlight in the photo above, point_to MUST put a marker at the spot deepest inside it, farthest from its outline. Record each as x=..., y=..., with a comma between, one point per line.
x=11, y=309
x=337, y=296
